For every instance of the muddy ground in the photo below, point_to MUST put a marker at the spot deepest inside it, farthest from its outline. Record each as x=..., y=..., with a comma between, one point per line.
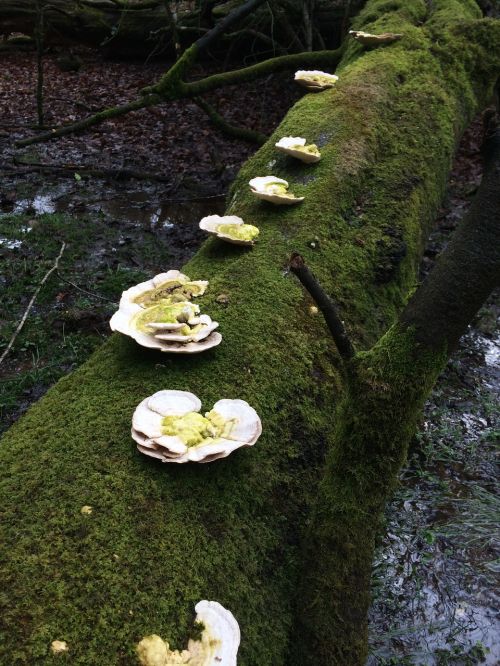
x=434, y=584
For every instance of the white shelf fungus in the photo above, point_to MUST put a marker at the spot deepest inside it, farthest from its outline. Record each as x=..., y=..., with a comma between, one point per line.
x=230, y=228
x=158, y=314
x=273, y=189
x=169, y=427
x=171, y=286
x=367, y=39
x=217, y=646
x=314, y=79
x=296, y=147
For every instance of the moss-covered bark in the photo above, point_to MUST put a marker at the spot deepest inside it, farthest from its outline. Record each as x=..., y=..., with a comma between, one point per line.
x=162, y=537
x=123, y=30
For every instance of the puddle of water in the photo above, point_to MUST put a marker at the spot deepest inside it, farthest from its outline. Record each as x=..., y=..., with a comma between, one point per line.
x=133, y=211
x=38, y=205
x=436, y=574
x=157, y=215
x=9, y=243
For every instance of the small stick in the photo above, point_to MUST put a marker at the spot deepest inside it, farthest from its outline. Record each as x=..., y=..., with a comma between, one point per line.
x=325, y=304
x=89, y=293
x=31, y=303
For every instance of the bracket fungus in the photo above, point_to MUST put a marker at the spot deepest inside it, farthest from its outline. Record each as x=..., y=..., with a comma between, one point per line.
x=230, y=228
x=158, y=314
x=217, y=646
x=296, y=147
x=314, y=79
x=367, y=39
x=171, y=286
x=273, y=189
x=169, y=427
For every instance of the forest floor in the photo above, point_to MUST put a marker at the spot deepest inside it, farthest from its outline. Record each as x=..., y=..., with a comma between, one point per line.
x=434, y=599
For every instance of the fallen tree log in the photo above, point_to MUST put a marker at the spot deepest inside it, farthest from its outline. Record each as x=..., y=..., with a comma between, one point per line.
x=121, y=28
x=161, y=538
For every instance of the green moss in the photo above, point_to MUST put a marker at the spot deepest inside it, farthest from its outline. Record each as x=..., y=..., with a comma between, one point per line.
x=160, y=538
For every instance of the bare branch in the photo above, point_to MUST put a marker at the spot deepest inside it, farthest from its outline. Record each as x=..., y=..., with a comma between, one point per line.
x=325, y=304
x=31, y=303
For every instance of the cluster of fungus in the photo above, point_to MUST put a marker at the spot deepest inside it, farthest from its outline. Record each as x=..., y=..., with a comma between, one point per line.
x=159, y=314
x=296, y=147
x=274, y=190
x=168, y=426
x=217, y=646
x=230, y=228
x=367, y=39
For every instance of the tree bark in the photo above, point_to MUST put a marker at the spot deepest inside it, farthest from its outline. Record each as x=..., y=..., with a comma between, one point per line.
x=385, y=391
x=162, y=537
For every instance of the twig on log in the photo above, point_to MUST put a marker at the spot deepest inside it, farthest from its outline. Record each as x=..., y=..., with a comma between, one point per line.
x=325, y=304
x=31, y=303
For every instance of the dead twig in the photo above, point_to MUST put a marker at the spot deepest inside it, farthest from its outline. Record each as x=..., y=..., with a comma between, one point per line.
x=85, y=291
x=325, y=304
x=31, y=303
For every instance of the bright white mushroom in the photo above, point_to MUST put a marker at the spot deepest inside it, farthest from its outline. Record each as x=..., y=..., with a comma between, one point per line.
x=314, y=79
x=171, y=286
x=368, y=39
x=296, y=147
x=273, y=189
x=217, y=646
x=157, y=315
x=169, y=427
x=230, y=228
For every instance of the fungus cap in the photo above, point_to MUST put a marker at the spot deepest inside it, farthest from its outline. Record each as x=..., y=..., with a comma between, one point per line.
x=296, y=147
x=230, y=228
x=314, y=79
x=367, y=39
x=217, y=646
x=273, y=189
x=172, y=286
x=168, y=426
x=175, y=327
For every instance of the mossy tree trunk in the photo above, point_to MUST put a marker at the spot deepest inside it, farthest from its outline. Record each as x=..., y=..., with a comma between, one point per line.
x=131, y=31
x=162, y=537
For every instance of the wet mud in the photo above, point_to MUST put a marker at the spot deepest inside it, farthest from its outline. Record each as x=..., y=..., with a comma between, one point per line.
x=436, y=572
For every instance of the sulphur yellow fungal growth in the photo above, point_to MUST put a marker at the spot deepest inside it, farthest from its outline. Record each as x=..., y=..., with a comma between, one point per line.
x=296, y=147
x=159, y=316
x=273, y=189
x=217, y=646
x=58, y=647
x=230, y=228
x=169, y=287
x=169, y=427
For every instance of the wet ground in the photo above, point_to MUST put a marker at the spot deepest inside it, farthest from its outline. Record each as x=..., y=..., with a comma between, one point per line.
x=434, y=584
x=117, y=230
x=436, y=573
